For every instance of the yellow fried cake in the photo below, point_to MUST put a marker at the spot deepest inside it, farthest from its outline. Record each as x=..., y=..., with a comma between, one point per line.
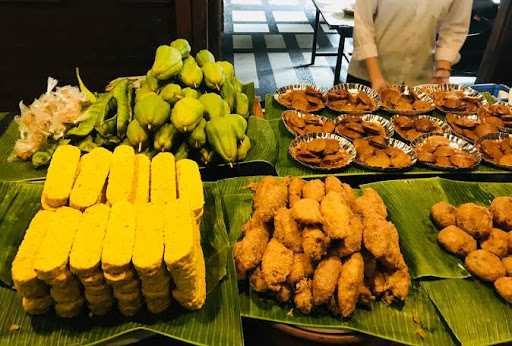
x=141, y=181
x=148, y=251
x=163, y=178
x=122, y=174
x=190, y=186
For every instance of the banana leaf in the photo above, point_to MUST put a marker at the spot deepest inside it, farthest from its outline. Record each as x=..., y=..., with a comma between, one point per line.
x=285, y=165
x=218, y=323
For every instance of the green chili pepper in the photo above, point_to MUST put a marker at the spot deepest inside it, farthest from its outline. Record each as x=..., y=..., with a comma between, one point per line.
x=121, y=94
x=90, y=96
x=107, y=126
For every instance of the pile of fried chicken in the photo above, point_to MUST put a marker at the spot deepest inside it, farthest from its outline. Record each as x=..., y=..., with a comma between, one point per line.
x=315, y=244
x=482, y=237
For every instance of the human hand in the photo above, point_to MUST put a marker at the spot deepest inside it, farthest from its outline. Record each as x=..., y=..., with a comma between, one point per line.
x=442, y=73
x=379, y=84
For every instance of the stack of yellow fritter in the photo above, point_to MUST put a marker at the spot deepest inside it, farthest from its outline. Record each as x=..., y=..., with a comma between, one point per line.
x=305, y=242
x=129, y=236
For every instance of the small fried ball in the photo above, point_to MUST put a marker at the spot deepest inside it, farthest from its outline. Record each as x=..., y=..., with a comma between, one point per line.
x=497, y=243
x=501, y=210
x=443, y=214
x=456, y=241
x=485, y=265
x=474, y=219
x=504, y=288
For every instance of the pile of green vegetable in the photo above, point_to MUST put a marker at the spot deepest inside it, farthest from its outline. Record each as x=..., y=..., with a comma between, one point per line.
x=192, y=107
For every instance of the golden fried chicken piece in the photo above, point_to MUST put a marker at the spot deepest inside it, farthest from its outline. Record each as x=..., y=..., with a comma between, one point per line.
x=325, y=279
x=370, y=203
x=287, y=231
x=443, y=214
x=303, y=296
x=257, y=281
x=456, y=241
x=314, y=242
x=333, y=184
x=507, y=262
x=314, y=189
x=365, y=295
x=350, y=282
x=276, y=264
x=485, y=265
x=270, y=195
x=307, y=211
x=501, y=210
x=352, y=242
x=397, y=285
x=301, y=268
x=474, y=219
x=504, y=288
x=497, y=243
x=336, y=216
x=248, y=251
x=284, y=293
x=295, y=186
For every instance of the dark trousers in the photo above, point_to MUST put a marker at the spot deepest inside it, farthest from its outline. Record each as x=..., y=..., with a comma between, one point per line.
x=352, y=79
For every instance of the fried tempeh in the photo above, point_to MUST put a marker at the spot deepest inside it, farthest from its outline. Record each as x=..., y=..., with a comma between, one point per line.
x=122, y=175
x=163, y=178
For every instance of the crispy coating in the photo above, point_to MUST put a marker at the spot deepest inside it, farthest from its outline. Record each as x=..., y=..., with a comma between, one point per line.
x=352, y=242
x=307, y=211
x=397, y=285
x=507, y=262
x=314, y=189
x=497, y=243
x=314, y=242
x=501, y=210
x=284, y=293
x=295, y=186
x=333, y=184
x=301, y=268
x=504, y=288
x=287, y=231
x=370, y=203
x=381, y=239
x=271, y=194
x=336, y=216
x=474, y=219
x=349, y=284
x=276, y=264
x=365, y=295
x=303, y=298
x=456, y=241
x=248, y=251
x=443, y=214
x=485, y=265
x=257, y=281
x=325, y=279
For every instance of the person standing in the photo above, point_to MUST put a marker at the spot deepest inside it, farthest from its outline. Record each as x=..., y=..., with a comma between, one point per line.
x=410, y=41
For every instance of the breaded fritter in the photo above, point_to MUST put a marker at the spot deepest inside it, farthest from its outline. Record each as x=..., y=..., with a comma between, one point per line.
x=370, y=203
x=314, y=189
x=314, y=242
x=485, y=265
x=397, y=285
x=307, y=211
x=456, y=241
x=270, y=195
x=257, y=281
x=248, y=251
x=284, y=293
x=333, y=184
x=474, y=219
x=443, y=214
x=287, y=231
x=497, y=243
x=301, y=268
x=501, y=210
x=504, y=288
x=349, y=284
x=295, y=186
x=352, y=242
x=336, y=216
x=325, y=279
x=507, y=262
x=276, y=264
x=303, y=298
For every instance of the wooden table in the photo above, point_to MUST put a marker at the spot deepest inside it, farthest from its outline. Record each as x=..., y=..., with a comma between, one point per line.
x=335, y=17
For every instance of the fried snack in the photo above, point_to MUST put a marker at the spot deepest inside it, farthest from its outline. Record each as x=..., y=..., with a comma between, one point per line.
x=303, y=298
x=380, y=238
x=326, y=153
x=354, y=127
x=301, y=268
x=325, y=279
x=304, y=100
x=61, y=176
x=473, y=127
x=276, y=264
x=295, y=186
x=375, y=152
x=504, y=288
x=92, y=176
x=333, y=184
x=410, y=128
x=283, y=294
x=370, y=203
x=287, y=230
x=314, y=189
x=257, y=281
x=501, y=210
x=314, y=242
x=485, y=265
x=37, y=305
x=437, y=150
x=163, y=178
x=122, y=174
x=270, y=195
x=343, y=100
x=456, y=241
x=190, y=185
x=443, y=214
x=352, y=242
x=140, y=191
x=336, y=215
x=474, y=219
x=307, y=211
x=507, y=262
x=498, y=151
x=456, y=100
x=496, y=243
x=497, y=110
x=349, y=284
x=301, y=124
x=403, y=99
x=148, y=249
x=395, y=285
x=248, y=251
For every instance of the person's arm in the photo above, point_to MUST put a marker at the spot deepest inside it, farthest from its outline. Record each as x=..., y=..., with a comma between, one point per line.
x=453, y=30
x=365, y=46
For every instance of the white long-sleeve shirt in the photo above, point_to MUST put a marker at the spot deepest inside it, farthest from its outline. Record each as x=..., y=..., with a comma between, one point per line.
x=407, y=36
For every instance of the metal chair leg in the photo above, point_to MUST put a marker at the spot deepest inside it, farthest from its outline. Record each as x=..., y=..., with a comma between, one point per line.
x=315, y=36
x=339, y=59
